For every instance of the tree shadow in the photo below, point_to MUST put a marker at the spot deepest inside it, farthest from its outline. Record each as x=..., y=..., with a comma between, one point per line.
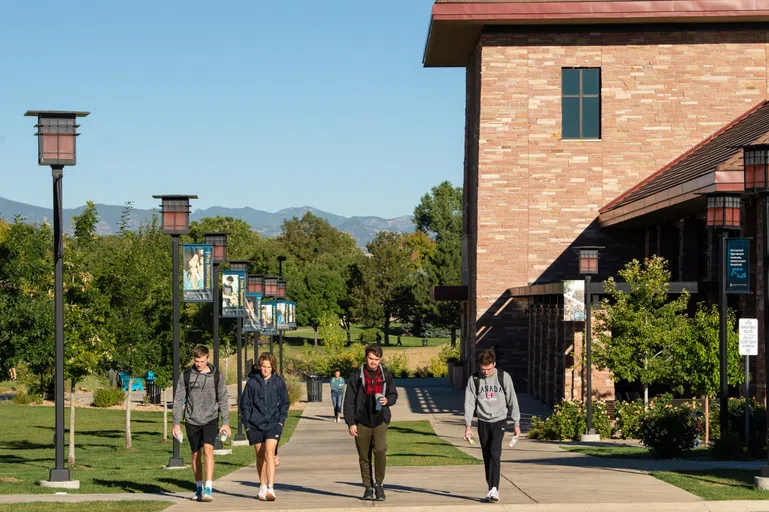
x=24, y=445
x=136, y=487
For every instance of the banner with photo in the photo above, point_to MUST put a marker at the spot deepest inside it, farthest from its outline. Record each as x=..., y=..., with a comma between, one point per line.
x=292, y=315
x=233, y=293
x=281, y=314
x=251, y=322
x=268, y=318
x=574, y=301
x=198, y=268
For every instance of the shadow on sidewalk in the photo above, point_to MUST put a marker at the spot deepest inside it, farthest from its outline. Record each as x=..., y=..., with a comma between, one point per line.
x=416, y=490
x=295, y=488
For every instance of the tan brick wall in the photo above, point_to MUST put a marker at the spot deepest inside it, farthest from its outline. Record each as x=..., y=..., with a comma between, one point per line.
x=537, y=194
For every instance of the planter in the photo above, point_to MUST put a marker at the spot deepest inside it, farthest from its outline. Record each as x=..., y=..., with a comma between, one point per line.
x=458, y=371
x=451, y=374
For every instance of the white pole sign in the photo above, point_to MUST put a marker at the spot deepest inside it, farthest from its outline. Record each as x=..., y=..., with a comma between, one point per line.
x=748, y=336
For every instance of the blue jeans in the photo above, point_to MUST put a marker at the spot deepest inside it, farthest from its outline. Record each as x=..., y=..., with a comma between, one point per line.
x=336, y=400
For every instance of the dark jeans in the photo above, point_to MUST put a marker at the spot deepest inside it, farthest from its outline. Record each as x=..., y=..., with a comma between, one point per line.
x=372, y=440
x=490, y=436
x=336, y=400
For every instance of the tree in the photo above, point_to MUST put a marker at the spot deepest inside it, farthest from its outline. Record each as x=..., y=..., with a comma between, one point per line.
x=440, y=213
x=242, y=241
x=311, y=237
x=318, y=291
x=638, y=331
x=384, y=292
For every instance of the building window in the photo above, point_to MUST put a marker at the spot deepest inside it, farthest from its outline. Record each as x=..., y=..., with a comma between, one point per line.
x=581, y=103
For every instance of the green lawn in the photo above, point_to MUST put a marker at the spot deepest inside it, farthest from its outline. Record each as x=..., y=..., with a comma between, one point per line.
x=103, y=464
x=8, y=385
x=414, y=443
x=715, y=484
x=630, y=452
x=101, y=506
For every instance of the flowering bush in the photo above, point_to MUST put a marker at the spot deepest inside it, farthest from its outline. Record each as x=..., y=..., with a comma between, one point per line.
x=569, y=421
x=627, y=419
x=669, y=432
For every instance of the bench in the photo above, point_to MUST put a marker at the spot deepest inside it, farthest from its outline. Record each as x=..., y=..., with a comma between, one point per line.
x=136, y=385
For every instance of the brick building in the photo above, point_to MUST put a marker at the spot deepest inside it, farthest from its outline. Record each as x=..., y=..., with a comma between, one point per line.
x=595, y=123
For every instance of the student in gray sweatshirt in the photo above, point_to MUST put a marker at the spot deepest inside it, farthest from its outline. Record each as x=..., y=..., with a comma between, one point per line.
x=490, y=395
x=201, y=395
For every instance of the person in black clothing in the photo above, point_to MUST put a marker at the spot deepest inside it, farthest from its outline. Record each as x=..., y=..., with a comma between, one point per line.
x=370, y=394
x=264, y=409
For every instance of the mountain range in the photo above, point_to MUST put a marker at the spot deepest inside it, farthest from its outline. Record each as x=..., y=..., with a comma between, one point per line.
x=363, y=229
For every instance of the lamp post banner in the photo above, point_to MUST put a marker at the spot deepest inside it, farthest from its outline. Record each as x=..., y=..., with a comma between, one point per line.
x=738, y=265
x=574, y=301
x=281, y=314
x=198, y=267
x=291, y=315
x=268, y=318
x=233, y=293
x=251, y=322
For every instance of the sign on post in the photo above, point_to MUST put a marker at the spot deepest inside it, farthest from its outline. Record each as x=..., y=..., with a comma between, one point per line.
x=737, y=265
x=748, y=336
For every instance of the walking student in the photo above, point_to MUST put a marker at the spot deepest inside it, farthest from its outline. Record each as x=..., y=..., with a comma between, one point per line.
x=370, y=394
x=490, y=395
x=201, y=397
x=337, y=393
x=264, y=409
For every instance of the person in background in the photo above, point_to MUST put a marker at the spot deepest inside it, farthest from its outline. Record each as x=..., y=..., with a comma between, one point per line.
x=337, y=393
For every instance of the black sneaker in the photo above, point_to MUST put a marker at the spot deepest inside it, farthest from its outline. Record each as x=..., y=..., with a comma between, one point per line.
x=380, y=495
x=368, y=494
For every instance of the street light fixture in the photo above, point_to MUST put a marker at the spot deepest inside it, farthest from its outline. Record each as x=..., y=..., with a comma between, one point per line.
x=756, y=167
x=588, y=266
x=270, y=286
x=219, y=242
x=175, y=215
x=56, y=146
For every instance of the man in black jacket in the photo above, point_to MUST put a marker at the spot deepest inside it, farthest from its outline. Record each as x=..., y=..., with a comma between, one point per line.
x=370, y=393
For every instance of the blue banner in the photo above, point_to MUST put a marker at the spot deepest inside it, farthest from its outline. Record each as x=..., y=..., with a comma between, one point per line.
x=737, y=265
x=233, y=293
x=198, y=268
x=252, y=321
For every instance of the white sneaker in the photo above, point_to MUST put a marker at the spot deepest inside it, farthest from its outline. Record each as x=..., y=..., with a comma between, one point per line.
x=493, y=495
x=270, y=493
x=262, y=496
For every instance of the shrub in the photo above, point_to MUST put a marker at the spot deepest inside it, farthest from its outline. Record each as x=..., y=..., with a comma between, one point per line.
x=669, y=432
x=294, y=386
x=431, y=331
x=323, y=363
x=398, y=365
x=107, y=397
x=368, y=336
x=756, y=445
x=569, y=421
x=438, y=367
x=423, y=372
x=22, y=397
x=448, y=352
x=627, y=419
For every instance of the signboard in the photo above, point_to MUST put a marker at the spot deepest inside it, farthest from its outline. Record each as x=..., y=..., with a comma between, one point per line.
x=251, y=322
x=281, y=314
x=292, y=315
x=268, y=318
x=748, y=336
x=738, y=265
x=574, y=301
x=233, y=293
x=198, y=267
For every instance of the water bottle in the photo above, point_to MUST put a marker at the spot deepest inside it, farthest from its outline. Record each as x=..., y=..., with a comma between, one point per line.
x=223, y=436
x=378, y=403
x=180, y=437
x=471, y=440
x=513, y=441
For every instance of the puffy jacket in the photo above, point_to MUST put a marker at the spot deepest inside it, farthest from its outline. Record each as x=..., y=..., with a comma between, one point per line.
x=264, y=404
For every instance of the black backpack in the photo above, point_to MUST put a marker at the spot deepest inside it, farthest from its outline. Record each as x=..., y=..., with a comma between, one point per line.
x=477, y=382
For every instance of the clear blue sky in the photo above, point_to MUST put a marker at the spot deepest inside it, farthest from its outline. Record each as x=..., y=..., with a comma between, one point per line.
x=320, y=103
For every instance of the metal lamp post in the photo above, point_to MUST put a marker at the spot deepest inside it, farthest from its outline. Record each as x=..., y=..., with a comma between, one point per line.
x=281, y=295
x=175, y=213
x=219, y=241
x=723, y=214
x=588, y=266
x=270, y=290
x=56, y=146
x=756, y=167
x=240, y=265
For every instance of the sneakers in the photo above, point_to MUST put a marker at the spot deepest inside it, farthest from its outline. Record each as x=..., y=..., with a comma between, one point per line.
x=493, y=495
x=368, y=494
x=207, y=495
x=270, y=494
x=198, y=494
x=262, y=496
x=380, y=495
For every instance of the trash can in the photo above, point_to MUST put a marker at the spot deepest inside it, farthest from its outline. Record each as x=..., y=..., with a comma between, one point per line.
x=424, y=342
x=153, y=391
x=314, y=388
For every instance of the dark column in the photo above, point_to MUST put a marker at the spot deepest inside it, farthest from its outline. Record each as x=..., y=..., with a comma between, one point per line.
x=240, y=436
x=175, y=461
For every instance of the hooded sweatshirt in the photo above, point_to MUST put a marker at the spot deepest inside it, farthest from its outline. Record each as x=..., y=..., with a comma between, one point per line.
x=201, y=405
x=264, y=403
x=493, y=400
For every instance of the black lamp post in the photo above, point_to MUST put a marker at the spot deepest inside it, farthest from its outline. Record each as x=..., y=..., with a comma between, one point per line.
x=270, y=290
x=588, y=266
x=240, y=265
x=175, y=213
x=281, y=293
x=56, y=146
x=723, y=215
x=756, y=162
x=219, y=241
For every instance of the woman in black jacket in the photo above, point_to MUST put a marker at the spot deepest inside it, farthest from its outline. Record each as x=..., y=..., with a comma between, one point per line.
x=264, y=409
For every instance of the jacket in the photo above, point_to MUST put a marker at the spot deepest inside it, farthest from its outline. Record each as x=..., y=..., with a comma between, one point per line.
x=264, y=404
x=355, y=396
x=204, y=403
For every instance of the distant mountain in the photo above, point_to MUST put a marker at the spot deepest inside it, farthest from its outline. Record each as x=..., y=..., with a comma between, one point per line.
x=363, y=229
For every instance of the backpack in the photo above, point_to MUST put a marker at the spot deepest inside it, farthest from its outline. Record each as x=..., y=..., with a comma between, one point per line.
x=477, y=382
x=187, y=374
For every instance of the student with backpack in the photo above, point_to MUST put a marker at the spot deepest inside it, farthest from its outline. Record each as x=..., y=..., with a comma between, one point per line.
x=490, y=396
x=264, y=409
x=201, y=397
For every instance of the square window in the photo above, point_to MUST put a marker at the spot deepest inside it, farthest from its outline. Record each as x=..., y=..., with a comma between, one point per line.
x=581, y=103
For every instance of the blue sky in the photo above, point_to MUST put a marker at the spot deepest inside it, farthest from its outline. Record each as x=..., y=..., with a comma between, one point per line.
x=254, y=103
